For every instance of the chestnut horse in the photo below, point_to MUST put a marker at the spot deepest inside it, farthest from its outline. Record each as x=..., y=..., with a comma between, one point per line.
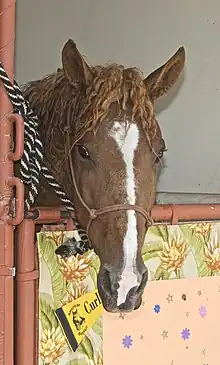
x=102, y=142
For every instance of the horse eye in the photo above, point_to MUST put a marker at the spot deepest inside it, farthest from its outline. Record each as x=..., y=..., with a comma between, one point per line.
x=84, y=153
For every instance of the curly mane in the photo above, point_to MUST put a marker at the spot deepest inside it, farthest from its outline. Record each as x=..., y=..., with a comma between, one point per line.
x=63, y=108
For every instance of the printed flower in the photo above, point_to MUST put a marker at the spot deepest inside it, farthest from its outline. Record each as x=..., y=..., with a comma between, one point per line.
x=52, y=346
x=174, y=251
x=157, y=308
x=203, y=311
x=185, y=334
x=127, y=341
x=212, y=251
x=74, y=292
x=57, y=236
x=75, y=268
x=99, y=358
x=201, y=228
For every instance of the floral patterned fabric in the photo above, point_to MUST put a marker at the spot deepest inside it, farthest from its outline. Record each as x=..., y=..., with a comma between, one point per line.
x=170, y=252
x=61, y=281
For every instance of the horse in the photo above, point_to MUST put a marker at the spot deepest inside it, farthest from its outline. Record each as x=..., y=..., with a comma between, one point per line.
x=102, y=142
x=78, y=320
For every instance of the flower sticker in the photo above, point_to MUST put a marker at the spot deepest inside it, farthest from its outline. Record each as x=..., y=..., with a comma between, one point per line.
x=156, y=308
x=127, y=341
x=164, y=334
x=122, y=315
x=203, y=311
x=185, y=334
x=170, y=298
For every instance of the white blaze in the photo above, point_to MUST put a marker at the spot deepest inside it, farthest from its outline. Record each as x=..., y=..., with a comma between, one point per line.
x=127, y=137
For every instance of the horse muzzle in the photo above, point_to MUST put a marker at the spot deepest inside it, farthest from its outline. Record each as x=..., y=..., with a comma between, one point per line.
x=108, y=286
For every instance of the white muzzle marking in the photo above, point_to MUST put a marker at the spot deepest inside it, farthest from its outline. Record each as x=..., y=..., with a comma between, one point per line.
x=127, y=138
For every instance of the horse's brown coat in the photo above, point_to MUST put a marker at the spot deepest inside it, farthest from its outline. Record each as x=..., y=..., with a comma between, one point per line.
x=84, y=102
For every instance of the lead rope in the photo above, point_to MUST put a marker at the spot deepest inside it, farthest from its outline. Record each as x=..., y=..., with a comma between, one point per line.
x=32, y=163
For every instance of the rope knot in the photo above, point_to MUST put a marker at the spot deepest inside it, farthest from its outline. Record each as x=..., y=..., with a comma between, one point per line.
x=93, y=213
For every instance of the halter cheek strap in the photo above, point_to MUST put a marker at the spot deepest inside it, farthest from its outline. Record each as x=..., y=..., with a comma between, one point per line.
x=95, y=213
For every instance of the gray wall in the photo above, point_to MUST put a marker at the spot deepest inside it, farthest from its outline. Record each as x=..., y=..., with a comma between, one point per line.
x=142, y=33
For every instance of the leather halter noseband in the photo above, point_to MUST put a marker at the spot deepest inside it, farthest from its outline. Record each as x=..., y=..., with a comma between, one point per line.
x=95, y=213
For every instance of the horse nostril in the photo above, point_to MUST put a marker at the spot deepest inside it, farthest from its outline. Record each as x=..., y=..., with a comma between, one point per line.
x=143, y=283
x=138, y=304
x=106, y=281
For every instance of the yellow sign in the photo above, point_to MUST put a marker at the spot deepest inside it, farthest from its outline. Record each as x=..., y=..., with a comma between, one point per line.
x=78, y=316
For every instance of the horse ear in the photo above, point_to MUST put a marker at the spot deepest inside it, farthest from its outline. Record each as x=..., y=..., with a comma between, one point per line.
x=75, y=67
x=163, y=78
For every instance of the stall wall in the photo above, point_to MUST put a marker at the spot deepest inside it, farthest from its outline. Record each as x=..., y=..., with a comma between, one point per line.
x=142, y=33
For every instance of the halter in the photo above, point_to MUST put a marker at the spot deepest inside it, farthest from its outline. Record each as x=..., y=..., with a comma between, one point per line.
x=95, y=213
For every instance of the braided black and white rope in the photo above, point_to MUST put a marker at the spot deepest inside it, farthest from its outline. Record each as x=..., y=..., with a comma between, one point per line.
x=32, y=160
x=32, y=163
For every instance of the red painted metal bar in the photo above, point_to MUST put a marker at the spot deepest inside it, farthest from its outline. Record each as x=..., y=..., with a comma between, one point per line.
x=7, y=22
x=160, y=213
x=26, y=299
x=185, y=212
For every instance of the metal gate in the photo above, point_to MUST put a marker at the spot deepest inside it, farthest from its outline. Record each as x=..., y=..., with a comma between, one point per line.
x=7, y=31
